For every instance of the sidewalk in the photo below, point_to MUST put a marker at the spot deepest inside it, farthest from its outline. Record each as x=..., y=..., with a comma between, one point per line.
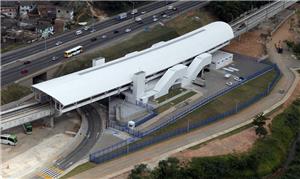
x=152, y=154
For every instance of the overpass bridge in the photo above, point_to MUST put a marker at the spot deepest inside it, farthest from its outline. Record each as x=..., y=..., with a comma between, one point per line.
x=23, y=114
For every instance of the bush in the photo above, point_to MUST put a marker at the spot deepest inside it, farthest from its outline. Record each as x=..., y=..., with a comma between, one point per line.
x=266, y=156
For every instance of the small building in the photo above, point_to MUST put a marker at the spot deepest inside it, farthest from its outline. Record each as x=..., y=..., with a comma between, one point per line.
x=9, y=9
x=64, y=13
x=47, y=11
x=25, y=7
x=221, y=59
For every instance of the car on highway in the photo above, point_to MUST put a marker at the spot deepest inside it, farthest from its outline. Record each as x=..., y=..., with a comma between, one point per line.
x=26, y=62
x=143, y=12
x=138, y=20
x=116, y=31
x=127, y=30
x=23, y=72
x=58, y=43
x=155, y=19
x=93, y=39
x=93, y=30
x=54, y=58
x=103, y=36
x=78, y=32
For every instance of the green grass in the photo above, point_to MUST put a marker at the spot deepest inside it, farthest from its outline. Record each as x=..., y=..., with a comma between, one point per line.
x=268, y=154
x=217, y=106
x=13, y=92
x=174, y=28
x=224, y=103
x=175, y=102
x=259, y=84
x=138, y=42
x=172, y=92
x=79, y=169
x=12, y=47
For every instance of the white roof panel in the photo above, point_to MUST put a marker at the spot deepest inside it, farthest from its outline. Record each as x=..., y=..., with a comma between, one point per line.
x=90, y=82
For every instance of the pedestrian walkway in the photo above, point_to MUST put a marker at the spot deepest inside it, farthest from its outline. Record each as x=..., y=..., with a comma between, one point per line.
x=50, y=172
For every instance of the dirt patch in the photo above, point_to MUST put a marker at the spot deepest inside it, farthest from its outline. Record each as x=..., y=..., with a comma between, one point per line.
x=237, y=143
x=249, y=44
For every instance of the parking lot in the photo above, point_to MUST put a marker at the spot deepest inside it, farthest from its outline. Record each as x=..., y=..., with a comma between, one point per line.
x=215, y=79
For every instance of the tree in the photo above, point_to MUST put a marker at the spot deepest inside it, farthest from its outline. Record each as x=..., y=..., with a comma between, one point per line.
x=139, y=172
x=261, y=131
x=259, y=122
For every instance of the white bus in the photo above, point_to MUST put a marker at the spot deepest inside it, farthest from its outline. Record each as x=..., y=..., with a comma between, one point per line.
x=9, y=139
x=73, y=51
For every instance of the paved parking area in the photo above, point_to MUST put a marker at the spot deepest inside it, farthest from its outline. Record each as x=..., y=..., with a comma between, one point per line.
x=215, y=80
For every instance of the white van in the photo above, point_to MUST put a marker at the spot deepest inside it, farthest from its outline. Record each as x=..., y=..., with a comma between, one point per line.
x=78, y=32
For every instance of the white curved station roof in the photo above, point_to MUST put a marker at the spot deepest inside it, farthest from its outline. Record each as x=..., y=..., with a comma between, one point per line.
x=93, y=81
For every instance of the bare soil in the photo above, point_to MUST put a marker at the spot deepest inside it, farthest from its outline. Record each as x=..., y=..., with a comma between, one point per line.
x=249, y=44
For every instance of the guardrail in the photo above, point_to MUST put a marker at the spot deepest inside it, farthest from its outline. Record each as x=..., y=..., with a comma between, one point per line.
x=128, y=145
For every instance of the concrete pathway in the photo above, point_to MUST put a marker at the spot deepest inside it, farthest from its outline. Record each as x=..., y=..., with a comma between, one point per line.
x=151, y=155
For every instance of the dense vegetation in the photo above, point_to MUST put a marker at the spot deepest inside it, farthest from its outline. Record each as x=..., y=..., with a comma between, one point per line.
x=229, y=10
x=267, y=155
x=116, y=6
x=295, y=47
x=293, y=170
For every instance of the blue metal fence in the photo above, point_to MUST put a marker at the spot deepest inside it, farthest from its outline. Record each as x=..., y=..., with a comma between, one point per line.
x=134, y=144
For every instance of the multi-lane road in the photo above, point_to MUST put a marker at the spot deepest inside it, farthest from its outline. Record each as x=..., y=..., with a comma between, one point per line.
x=69, y=36
x=93, y=134
x=10, y=75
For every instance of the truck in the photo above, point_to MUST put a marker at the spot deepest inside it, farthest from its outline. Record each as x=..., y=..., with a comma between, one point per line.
x=122, y=16
x=134, y=11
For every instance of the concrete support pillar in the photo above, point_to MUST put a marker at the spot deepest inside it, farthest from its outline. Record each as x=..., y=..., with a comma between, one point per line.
x=138, y=89
x=49, y=122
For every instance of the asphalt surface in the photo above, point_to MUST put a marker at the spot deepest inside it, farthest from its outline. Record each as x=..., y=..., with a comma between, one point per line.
x=12, y=74
x=68, y=36
x=93, y=134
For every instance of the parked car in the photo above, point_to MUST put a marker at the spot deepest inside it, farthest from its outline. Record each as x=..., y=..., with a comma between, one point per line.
x=236, y=78
x=78, y=32
x=143, y=12
x=93, y=39
x=155, y=19
x=103, y=36
x=26, y=62
x=93, y=30
x=116, y=31
x=127, y=30
x=58, y=43
x=23, y=72
x=229, y=83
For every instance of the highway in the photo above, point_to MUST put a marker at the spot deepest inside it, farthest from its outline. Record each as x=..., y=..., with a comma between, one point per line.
x=12, y=74
x=69, y=36
x=93, y=134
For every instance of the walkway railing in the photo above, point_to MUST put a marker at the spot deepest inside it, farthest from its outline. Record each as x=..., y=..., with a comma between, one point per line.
x=140, y=141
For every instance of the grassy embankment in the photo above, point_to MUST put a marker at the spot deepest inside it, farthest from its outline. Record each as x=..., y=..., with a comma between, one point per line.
x=13, y=92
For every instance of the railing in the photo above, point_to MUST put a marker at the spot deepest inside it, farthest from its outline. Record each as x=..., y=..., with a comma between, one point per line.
x=136, y=143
